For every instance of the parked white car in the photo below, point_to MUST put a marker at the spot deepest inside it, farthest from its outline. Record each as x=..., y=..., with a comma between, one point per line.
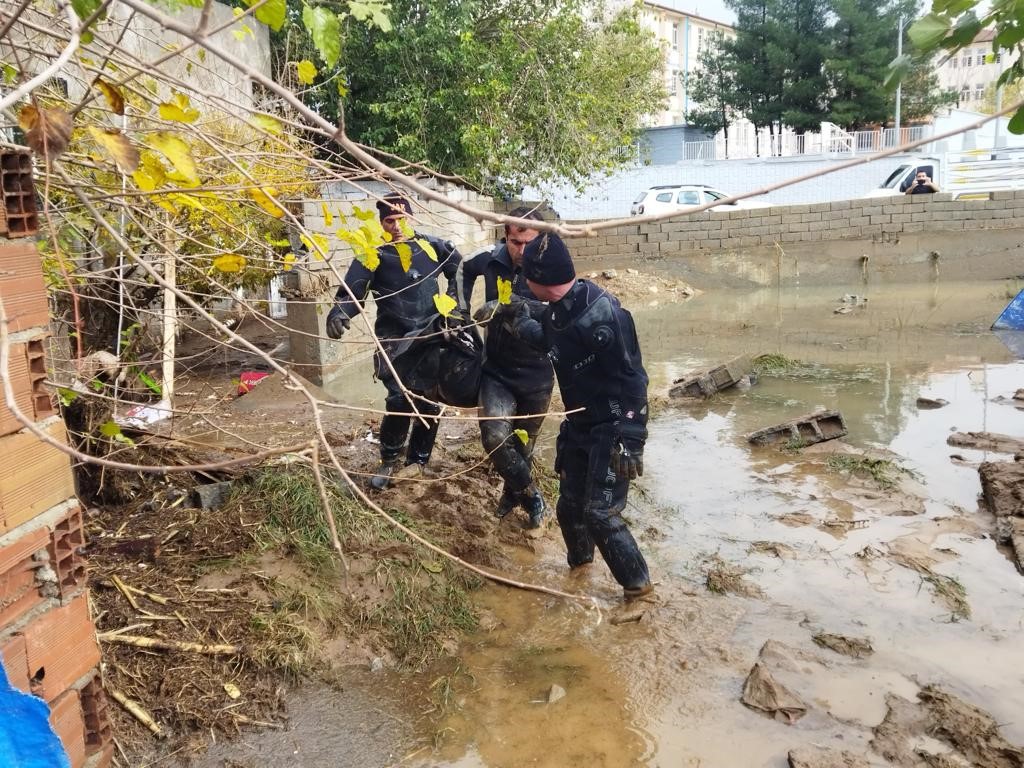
x=678, y=197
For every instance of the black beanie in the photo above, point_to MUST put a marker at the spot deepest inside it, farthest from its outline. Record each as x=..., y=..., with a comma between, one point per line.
x=393, y=205
x=546, y=261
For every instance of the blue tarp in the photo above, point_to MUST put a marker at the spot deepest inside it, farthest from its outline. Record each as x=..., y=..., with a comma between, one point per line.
x=1012, y=318
x=26, y=738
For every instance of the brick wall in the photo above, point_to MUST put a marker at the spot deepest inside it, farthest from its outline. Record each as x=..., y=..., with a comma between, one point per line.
x=47, y=638
x=910, y=228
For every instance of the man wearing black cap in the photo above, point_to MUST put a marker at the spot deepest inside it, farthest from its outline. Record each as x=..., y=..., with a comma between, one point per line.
x=517, y=379
x=592, y=342
x=405, y=315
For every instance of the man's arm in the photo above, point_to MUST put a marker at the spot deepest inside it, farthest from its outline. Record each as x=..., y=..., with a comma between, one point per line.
x=469, y=270
x=450, y=259
x=359, y=279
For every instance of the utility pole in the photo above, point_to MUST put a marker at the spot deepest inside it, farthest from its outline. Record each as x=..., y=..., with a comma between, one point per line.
x=899, y=85
x=997, y=137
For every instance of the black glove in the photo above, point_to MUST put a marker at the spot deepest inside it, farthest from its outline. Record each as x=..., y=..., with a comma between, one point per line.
x=627, y=460
x=514, y=307
x=486, y=312
x=337, y=324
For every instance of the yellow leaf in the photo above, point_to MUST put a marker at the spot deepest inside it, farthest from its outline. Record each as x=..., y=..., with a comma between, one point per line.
x=427, y=248
x=444, y=303
x=178, y=152
x=267, y=123
x=317, y=245
x=404, y=251
x=264, y=198
x=369, y=258
x=328, y=217
x=232, y=690
x=432, y=566
x=504, y=291
x=289, y=262
x=522, y=435
x=118, y=147
x=178, y=109
x=113, y=96
x=363, y=214
x=406, y=229
x=306, y=71
x=150, y=173
x=229, y=262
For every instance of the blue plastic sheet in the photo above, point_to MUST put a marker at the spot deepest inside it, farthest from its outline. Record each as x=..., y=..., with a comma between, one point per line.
x=1012, y=318
x=26, y=738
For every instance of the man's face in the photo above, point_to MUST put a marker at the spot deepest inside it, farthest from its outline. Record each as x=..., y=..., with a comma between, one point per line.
x=516, y=239
x=393, y=225
x=921, y=177
x=549, y=292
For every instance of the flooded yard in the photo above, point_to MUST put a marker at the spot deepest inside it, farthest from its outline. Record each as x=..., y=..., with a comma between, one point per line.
x=859, y=576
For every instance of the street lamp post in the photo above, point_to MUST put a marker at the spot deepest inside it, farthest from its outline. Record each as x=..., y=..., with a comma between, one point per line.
x=899, y=85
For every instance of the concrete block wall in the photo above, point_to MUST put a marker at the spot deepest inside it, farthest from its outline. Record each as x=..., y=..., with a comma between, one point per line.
x=47, y=638
x=904, y=227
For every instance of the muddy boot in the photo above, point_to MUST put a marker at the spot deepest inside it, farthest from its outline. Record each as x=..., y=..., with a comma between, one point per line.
x=421, y=443
x=635, y=593
x=533, y=503
x=506, y=504
x=382, y=479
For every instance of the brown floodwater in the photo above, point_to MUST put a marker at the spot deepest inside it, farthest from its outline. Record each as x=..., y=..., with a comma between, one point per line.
x=665, y=691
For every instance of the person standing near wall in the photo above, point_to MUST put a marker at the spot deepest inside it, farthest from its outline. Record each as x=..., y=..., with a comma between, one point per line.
x=593, y=346
x=406, y=314
x=517, y=379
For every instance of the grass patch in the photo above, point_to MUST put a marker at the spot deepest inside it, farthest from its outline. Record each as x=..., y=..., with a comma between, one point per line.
x=885, y=473
x=723, y=578
x=951, y=590
x=285, y=642
x=293, y=516
x=774, y=365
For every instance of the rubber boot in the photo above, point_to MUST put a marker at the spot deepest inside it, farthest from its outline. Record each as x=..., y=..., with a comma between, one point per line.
x=635, y=593
x=421, y=443
x=533, y=503
x=387, y=468
x=507, y=503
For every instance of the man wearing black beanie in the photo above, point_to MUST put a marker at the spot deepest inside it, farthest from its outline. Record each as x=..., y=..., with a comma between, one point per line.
x=593, y=345
x=404, y=293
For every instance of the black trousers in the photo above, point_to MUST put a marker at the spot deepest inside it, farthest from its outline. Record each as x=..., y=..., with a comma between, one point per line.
x=510, y=455
x=394, y=427
x=590, y=503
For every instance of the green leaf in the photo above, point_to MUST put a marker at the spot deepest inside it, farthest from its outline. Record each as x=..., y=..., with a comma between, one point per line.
x=66, y=396
x=10, y=73
x=927, y=32
x=898, y=69
x=85, y=8
x=111, y=429
x=431, y=566
x=1017, y=122
x=1009, y=37
x=325, y=29
x=306, y=71
x=152, y=384
x=272, y=13
x=966, y=29
x=523, y=435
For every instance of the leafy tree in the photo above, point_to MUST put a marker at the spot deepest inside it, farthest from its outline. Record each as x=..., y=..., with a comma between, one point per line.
x=713, y=88
x=802, y=33
x=1012, y=93
x=760, y=61
x=489, y=90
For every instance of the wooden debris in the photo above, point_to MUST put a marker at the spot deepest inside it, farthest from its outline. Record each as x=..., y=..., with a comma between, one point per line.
x=170, y=645
x=135, y=709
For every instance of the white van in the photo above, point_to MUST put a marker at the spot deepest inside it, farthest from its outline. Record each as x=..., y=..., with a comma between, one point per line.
x=962, y=174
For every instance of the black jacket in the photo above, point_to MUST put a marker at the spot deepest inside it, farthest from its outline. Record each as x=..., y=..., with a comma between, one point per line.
x=592, y=343
x=517, y=364
x=405, y=300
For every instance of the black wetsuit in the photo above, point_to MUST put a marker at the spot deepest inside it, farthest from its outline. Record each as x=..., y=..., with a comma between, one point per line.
x=405, y=311
x=592, y=343
x=517, y=378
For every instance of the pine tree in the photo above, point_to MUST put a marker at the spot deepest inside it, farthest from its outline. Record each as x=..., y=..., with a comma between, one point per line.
x=803, y=37
x=713, y=89
x=759, y=61
x=863, y=44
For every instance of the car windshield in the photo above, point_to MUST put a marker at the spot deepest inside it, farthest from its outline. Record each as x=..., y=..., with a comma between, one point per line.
x=895, y=177
x=640, y=197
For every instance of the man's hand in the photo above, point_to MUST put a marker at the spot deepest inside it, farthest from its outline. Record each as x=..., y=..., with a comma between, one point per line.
x=337, y=324
x=628, y=459
x=486, y=312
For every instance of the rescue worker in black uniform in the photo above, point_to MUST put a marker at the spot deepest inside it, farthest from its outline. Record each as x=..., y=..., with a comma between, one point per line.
x=593, y=345
x=517, y=379
x=406, y=316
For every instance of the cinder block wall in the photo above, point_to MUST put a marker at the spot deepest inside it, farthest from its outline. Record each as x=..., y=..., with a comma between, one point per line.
x=836, y=238
x=47, y=639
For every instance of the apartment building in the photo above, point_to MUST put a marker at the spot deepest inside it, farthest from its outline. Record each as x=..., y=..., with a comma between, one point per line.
x=684, y=34
x=972, y=70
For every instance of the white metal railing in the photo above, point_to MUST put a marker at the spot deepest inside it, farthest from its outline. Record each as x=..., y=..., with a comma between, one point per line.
x=831, y=140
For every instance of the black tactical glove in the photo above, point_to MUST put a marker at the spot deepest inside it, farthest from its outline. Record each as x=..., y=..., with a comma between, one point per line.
x=514, y=307
x=337, y=324
x=486, y=312
x=627, y=460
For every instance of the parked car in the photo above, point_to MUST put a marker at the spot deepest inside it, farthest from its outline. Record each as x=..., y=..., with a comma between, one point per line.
x=678, y=197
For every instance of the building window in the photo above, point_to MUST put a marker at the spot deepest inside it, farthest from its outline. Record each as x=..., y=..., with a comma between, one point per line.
x=673, y=85
x=952, y=63
x=965, y=93
x=980, y=52
x=979, y=92
x=967, y=60
x=700, y=39
x=675, y=36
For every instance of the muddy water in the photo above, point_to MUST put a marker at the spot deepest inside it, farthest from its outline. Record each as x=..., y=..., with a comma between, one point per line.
x=665, y=691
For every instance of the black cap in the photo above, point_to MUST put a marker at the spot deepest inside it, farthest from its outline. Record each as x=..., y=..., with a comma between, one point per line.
x=393, y=205
x=546, y=261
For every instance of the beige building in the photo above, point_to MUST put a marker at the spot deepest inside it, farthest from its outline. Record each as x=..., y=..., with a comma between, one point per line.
x=972, y=70
x=684, y=35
